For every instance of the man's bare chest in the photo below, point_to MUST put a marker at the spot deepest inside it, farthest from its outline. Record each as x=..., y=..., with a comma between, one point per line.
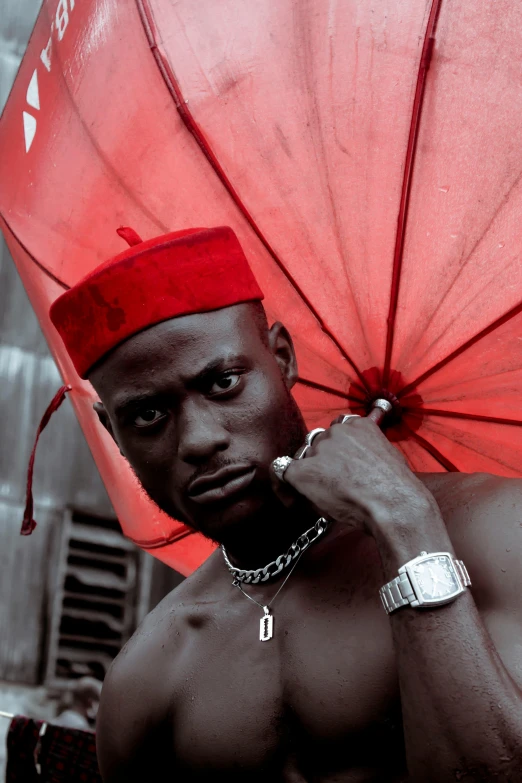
x=312, y=703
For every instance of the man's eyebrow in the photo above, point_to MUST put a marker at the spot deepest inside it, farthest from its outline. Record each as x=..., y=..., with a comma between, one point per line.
x=129, y=402
x=215, y=365
x=133, y=401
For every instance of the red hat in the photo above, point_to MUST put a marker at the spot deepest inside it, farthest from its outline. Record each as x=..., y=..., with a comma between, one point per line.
x=191, y=271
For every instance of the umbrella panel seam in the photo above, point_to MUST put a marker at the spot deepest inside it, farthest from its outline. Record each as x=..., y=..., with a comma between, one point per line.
x=461, y=349
x=35, y=261
x=432, y=450
x=457, y=415
x=409, y=163
x=200, y=139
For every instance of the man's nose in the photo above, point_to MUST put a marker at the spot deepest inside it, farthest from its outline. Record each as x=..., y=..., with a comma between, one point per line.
x=201, y=434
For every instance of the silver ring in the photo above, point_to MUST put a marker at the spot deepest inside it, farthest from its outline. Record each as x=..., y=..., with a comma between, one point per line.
x=313, y=434
x=279, y=466
x=384, y=405
x=301, y=451
x=348, y=416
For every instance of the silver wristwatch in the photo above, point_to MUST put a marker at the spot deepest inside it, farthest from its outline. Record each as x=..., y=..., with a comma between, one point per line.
x=429, y=580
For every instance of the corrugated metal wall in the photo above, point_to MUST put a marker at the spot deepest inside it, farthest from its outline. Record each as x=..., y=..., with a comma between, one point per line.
x=65, y=473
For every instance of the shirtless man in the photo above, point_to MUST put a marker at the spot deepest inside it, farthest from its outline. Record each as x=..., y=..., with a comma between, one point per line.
x=200, y=405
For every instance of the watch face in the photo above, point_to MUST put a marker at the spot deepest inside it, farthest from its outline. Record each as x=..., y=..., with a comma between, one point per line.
x=436, y=578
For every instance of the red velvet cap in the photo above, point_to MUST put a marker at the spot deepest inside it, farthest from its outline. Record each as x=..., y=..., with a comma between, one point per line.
x=191, y=271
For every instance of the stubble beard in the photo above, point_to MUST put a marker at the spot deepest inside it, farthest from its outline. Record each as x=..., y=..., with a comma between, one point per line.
x=268, y=519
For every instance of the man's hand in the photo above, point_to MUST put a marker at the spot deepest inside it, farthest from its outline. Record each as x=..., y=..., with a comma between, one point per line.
x=354, y=476
x=448, y=666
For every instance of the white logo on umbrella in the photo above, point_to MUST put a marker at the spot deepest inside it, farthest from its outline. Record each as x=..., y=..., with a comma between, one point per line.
x=33, y=99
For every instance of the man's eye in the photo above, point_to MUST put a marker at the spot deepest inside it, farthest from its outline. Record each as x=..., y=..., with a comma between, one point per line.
x=225, y=383
x=148, y=417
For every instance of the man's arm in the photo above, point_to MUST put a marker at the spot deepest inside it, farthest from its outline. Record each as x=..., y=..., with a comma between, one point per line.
x=462, y=700
x=462, y=705
x=127, y=724
x=119, y=730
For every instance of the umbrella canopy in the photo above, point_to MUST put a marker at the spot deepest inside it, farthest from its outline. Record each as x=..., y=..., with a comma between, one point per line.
x=368, y=155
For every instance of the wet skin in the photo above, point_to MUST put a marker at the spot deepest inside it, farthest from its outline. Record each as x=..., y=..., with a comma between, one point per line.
x=195, y=696
x=199, y=394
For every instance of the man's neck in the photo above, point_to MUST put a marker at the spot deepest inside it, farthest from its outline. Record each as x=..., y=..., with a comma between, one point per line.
x=263, y=540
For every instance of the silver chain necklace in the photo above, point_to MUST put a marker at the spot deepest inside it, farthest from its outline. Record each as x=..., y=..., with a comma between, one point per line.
x=293, y=555
x=280, y=563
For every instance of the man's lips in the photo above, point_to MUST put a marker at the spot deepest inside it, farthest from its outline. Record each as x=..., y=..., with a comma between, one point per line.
x=221, y=484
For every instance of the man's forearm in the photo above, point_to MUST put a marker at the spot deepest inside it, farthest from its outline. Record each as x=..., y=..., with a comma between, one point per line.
x=462, y=711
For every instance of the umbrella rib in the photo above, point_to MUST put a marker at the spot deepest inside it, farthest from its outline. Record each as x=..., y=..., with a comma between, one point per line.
x=35, y=261
x=409, y=162
x=458, y=415
x=328, y=390
x=193, y=128
x=431, y=449
x=464, y=347
x=465, y=260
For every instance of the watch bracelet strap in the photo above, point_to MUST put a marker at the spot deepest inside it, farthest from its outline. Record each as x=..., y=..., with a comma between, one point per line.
x=462, y=571
x=399, y=592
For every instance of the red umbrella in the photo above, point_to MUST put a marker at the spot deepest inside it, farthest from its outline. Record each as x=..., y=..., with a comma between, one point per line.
x=368, y=155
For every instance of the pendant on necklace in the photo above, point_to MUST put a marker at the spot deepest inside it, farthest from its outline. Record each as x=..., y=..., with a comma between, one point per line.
x=266, y=626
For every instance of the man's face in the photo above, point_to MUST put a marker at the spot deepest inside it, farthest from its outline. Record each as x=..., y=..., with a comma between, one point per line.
x=200, y=394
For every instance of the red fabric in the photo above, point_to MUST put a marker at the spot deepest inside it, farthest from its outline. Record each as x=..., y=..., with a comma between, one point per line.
x=64, y=755
x=367, y=155
x=28, y=523
x=129, y=235
x=22, y=739
x=190, y=271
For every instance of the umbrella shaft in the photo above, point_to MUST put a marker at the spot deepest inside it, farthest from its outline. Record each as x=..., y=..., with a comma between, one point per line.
x=379, y=411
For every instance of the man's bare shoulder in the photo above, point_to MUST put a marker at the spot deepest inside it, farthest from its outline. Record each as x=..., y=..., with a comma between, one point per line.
x=483, y=515
x=158, y=636
x=140, y=687
x=473, y=501
x=466, y=487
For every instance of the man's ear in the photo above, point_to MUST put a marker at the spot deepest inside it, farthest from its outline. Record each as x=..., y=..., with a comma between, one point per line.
x=282, y=347
x=104, y=419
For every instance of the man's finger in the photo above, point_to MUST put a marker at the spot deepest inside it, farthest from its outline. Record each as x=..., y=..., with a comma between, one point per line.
x=295, y=475
x=284, y=491
x=287, y=475
x=343, y=418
